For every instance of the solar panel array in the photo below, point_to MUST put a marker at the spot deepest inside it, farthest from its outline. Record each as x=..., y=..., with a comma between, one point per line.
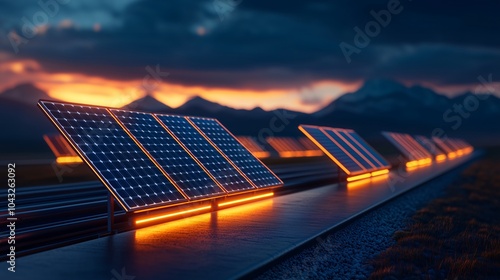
x=453, y=147
x=346, y=148
x=148, y=161
x=408, y=146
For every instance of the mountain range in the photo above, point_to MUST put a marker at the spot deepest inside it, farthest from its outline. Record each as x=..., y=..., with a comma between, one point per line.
x=378, y=105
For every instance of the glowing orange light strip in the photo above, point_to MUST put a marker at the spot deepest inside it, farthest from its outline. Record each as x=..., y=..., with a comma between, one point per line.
x=246, y=199
x=359, y=177
x=440, y=158
x=69, y=159
x=380, y=172
x=137, y=222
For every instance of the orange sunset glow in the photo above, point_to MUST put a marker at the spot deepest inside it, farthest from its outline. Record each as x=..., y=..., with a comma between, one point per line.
x=93, y=90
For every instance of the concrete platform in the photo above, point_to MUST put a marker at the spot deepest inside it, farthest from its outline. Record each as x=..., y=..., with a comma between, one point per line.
x=223, y=244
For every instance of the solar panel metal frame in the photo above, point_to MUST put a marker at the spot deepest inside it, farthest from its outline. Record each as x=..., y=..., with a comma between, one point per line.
x=163, y=166
x=102, y=178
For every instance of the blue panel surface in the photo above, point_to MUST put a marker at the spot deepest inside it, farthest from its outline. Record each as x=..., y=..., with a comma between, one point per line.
x=333, y=149
x=218, y=166
x=116, y=158
x=348, y=149
x=253, y=168
x=186, y=173
x=382, y=163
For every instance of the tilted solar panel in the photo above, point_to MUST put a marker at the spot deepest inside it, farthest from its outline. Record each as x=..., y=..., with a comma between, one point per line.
x=118, y=161
x=428, y=145
x=349, y=148
x=366, y=149
x=442, y=145
x=227, y=144
x=408, y=146
x=185, y=172
x=212, y=160
x=334, y=151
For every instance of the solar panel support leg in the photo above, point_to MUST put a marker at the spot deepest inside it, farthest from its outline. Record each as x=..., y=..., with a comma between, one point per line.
x=111, y=212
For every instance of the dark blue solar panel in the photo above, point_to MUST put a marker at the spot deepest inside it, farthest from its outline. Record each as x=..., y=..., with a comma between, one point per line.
x=362, y=150
x=382, y=163
x=348, y=149
x=116, y=158
x=333, y=149
x=169, y=154
x=237, y=153
x=218, y=166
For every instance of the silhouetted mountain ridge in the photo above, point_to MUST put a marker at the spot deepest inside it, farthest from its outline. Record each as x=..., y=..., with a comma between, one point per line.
x=379, y=105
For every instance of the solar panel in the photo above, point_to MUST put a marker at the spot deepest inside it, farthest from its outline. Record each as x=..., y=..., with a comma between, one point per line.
x=209, y=157
x=408, y=146
x=442, y=145
x=228, y=145
x=333, y=150
x=118, y=161
x=366, y=149
x=428, y=145
x=183, y=170
x=349, y=149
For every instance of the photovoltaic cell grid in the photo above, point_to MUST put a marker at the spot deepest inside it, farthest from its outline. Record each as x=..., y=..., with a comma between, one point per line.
x=346, y=148
x=364, y=146
x=166, y=151
x=259, y=174
x=123, y=167
x=220, y=169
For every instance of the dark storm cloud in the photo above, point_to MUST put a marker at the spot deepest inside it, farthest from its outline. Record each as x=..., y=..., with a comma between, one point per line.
x=263, y=44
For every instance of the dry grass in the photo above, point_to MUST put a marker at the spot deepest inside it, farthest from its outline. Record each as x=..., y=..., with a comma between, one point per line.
x=455, y=237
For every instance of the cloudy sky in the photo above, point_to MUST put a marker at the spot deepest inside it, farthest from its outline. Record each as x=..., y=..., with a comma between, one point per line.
x=244, y=53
